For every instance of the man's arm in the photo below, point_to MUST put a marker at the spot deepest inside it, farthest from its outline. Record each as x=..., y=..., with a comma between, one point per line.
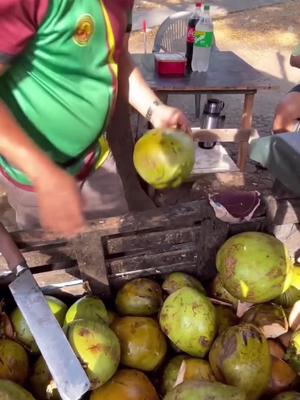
x=142, y=97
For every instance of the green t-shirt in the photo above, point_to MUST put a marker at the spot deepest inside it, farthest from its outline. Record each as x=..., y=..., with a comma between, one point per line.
x=62, y=82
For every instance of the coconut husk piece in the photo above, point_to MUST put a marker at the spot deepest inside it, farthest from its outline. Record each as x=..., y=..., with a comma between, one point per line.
x=283, y=377
x=6, y=327
x=276, y=349
x=269, y=318
x=220, y=302
x=242, y=308
x=294, y=316
x=285, y=339
x=181, y=374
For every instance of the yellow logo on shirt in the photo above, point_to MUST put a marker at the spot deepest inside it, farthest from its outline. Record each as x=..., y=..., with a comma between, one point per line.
x=84, y=30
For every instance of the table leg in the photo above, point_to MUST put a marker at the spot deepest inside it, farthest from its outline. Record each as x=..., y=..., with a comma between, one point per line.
x=246, y=123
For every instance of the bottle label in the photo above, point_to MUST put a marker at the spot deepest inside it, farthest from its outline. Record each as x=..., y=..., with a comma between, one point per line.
x=191, y=35
x=204, y=39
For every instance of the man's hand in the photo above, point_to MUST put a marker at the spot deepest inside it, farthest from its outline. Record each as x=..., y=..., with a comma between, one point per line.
x=164, y=116
x=60, y=203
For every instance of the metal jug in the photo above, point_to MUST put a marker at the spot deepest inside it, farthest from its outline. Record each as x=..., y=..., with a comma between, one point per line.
x=212, y=119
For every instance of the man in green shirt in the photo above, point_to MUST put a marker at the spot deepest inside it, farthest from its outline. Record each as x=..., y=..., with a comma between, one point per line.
x=60, y=68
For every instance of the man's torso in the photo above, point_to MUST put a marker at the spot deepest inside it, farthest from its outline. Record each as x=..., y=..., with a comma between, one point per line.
x=61, y=87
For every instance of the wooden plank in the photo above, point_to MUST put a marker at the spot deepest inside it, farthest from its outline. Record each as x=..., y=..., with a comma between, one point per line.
x=119, y=279
x=149, y=240
x=211, y=236
x=51, y=258
x=246, y=124
x=182, y=214
x=215, y=160
x=224, y=135
x=91, y=262
x=282, y=211
x=186, y=253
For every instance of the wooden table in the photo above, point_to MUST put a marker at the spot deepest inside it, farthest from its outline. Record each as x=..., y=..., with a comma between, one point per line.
x=227, y=74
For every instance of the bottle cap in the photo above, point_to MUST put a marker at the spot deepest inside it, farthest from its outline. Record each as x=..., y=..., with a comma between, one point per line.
x=199, y=4
x=206, y=7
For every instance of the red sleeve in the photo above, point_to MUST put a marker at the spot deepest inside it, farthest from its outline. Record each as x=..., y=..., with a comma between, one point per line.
x=19, y=22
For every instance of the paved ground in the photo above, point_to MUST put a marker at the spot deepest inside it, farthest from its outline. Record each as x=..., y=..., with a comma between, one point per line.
x=156, y=11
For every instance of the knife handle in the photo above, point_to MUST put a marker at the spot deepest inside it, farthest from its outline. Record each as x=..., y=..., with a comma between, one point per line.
x=10, y=251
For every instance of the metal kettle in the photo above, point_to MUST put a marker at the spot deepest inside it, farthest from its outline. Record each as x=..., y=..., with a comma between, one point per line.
x=212, y=119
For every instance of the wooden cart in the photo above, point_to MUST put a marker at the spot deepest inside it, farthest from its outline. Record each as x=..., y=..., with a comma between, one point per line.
x=184, y=237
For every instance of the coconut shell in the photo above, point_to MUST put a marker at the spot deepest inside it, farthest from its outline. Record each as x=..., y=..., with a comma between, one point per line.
x=283, y=377
x=270, y=318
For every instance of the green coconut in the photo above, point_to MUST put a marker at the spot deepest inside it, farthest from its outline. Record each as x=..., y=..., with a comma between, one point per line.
x=189, y=320
x=88, y=307
x=126, y=384
x=97, y=347
x=164, y=158
x=12, y=391
x=201, y=390
x=178, y=280
x=219, y=292
x=143, y=345
x=22, y=330
x=287, y=396
x=241, y=357
x=14, y=363
x=139, y=297
x=254, y=267
x=270, y=318
x=226, y=317
x=182, y=369
x=41, y=383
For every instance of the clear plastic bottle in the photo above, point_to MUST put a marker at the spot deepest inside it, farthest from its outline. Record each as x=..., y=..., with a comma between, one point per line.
x=197, y=14
x=204, y=37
